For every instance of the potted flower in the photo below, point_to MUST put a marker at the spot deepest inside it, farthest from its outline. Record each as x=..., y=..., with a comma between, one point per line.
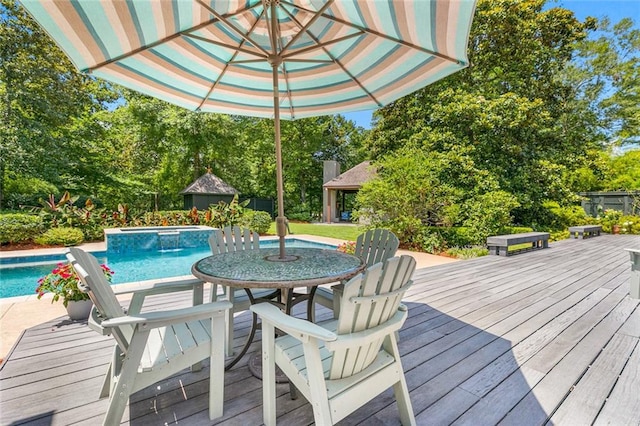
x=62, y=281
x=611, y=220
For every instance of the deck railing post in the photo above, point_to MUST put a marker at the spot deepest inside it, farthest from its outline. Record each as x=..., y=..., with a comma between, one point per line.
x=634, y=282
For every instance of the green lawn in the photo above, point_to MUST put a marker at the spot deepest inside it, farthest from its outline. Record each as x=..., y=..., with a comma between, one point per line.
x=341, y=232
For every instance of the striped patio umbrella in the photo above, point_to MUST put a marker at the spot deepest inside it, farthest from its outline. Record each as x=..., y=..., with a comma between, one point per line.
x=264, y=58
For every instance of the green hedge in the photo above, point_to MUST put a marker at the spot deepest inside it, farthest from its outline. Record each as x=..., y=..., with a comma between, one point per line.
x=18, y=227
x=61, y=236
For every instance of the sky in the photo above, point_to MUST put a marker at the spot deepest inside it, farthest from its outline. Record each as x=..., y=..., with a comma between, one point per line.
x=614, y=9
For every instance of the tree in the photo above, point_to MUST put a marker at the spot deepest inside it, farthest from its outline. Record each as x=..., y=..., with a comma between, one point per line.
x=416, y=188
x=605, y=77
x=508, y=109
x=625, y=172
x=47, y=127
x=306, y=143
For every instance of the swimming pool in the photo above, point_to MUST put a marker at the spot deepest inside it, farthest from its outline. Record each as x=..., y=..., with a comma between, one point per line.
x=19, y=276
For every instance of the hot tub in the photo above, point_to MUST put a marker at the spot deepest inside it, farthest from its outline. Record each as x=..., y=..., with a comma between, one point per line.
x=125, y=240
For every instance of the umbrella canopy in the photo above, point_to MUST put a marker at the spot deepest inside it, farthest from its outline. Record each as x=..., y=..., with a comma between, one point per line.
x=264, y=58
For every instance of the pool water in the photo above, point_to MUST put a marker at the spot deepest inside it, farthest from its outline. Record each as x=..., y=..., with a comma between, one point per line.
x=21, y=279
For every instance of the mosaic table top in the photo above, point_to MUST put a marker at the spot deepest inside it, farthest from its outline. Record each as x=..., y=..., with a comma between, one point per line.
x=253, y=269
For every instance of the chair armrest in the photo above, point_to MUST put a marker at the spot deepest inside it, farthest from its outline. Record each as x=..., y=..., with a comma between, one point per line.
x=346, y=341
x=165, y=318
x=140, y=293
x=295, y=327
x=162, y=287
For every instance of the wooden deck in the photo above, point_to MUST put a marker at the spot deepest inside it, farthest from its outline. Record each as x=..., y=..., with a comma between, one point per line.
x=546, y=337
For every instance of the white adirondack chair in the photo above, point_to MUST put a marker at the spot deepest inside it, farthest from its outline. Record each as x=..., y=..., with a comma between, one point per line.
x=232, y=239
x=373, y=246
x=152, y=346
x=342, y=364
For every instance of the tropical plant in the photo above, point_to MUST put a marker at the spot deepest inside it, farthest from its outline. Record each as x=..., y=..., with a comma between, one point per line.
x=62, y=281
x=226, y=214
x=58, y=213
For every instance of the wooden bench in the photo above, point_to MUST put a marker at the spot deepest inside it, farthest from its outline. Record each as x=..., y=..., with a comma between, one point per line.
x=500, y=244
x=584, y=231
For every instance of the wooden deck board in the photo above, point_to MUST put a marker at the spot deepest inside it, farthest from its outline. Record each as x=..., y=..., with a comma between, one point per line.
x=549, y=393
x=585, y=401
x=623, y=405
x=550, y=336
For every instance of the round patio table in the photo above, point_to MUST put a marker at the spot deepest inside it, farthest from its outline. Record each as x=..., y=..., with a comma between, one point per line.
x=261, y=269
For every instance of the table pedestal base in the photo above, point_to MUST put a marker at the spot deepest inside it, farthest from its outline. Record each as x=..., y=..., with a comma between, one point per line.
x=255, y=366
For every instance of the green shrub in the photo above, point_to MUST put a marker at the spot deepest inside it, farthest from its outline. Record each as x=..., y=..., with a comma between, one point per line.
x=93, y=232
x=559, y=235
x=257, y=221
x=456, y=236
x=17, y=227
x=627, y=224
x=61, y=237
x=630, y=225
x=22, y=191
x=299, y=217
x=559, y=217
x=299, y=213
x=514, y=230
x=488, y=213
x=430, y=241
x=467, y=252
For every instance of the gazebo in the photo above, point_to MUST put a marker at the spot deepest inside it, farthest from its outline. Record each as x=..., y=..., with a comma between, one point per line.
x=206, y=190
x=339, y=192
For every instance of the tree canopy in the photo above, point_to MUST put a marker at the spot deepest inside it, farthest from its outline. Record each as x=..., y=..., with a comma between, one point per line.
x=517, y=111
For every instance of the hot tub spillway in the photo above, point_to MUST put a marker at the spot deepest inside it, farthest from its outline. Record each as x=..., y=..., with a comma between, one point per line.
x=169, y=240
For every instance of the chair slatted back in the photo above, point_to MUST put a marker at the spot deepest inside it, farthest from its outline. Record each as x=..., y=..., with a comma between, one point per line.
x=368, y=301
x=232, y=239
x=94, y=283
x=376, y=245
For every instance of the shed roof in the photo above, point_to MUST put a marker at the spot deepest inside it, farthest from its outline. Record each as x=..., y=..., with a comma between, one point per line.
x=353, y=178
x=209, y=183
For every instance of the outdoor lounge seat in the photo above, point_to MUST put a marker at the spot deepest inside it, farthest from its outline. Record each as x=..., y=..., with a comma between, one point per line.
x=373, y=246
x=342, y=364
x=232, y=239
x=152, y=346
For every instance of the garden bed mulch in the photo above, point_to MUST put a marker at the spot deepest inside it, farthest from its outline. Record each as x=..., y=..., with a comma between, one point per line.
x=24, y=246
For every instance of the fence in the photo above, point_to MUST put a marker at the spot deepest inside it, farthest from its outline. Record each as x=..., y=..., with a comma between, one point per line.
x=626, y=202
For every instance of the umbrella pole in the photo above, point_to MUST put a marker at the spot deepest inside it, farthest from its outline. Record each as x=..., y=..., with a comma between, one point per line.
x=281, y=220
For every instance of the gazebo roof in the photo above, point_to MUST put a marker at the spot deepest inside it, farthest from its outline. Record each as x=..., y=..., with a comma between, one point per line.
x=209, y=183
x=353, y=178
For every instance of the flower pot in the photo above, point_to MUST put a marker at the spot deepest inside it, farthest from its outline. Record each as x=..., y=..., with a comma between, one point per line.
x=79, y=309
x=616, y=229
